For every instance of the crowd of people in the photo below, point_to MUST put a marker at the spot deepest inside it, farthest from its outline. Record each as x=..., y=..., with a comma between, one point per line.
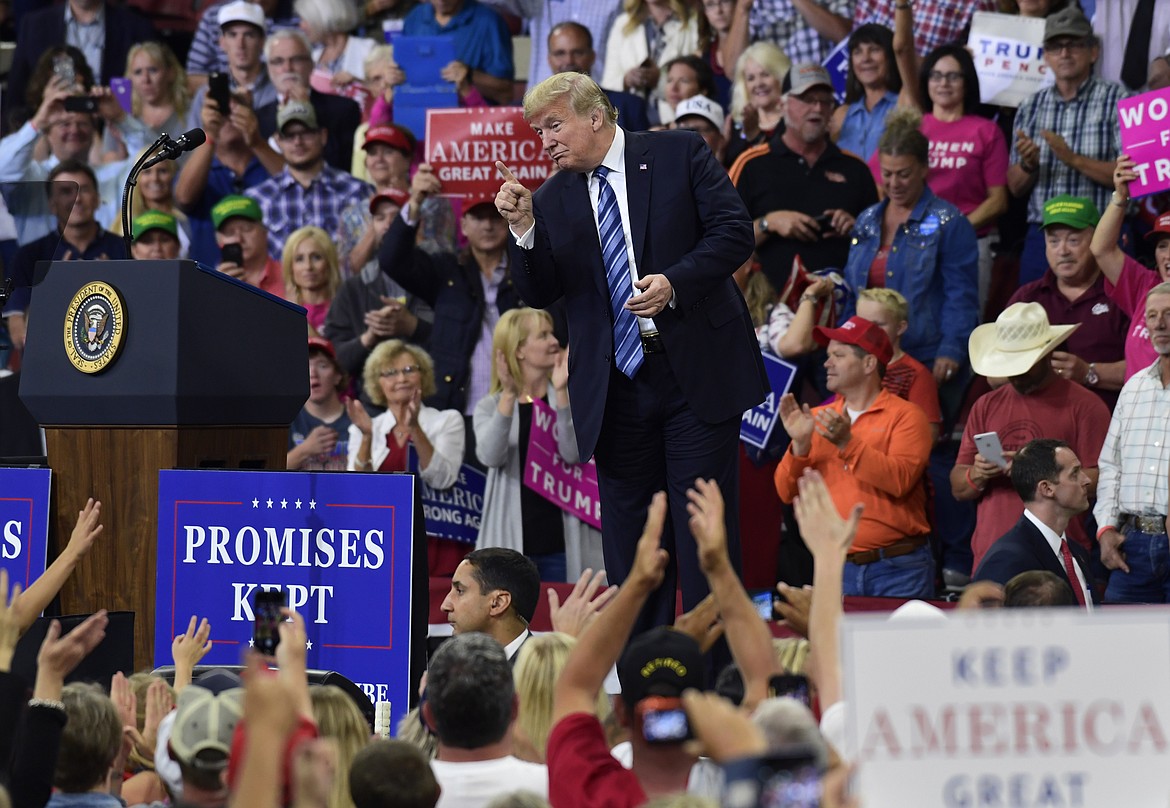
x=974, y=308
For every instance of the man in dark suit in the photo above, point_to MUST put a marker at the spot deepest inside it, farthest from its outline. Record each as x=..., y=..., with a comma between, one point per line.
x=289, y=66
x=1048, y=477
x=494, y=591
x=663, y=359
x=570, y=48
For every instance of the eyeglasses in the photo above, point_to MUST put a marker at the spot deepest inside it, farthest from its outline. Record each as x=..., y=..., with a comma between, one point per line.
x=949, y=78
x=818, y=100
x=390, y=373
x=280, y=61
x=711, y=5
x=1061, y=45
x=298, y=134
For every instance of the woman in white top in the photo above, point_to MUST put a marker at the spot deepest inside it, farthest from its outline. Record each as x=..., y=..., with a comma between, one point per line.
x=397, y=376
x=644, y=37
x=529, y=366
x=338, y=58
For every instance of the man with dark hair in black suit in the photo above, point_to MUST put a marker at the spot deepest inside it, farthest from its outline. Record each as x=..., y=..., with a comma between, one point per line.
x=1048, y=477
x=494, y=591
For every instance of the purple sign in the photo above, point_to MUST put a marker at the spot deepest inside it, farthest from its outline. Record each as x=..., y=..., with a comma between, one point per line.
x=572, y=487
x=1145, y=136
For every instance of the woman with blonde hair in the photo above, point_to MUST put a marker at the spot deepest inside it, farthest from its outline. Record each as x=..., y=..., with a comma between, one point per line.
x=155, y=190
x=538, y=666
x=529, y=367
x=339, y=718
x=159, y=100
x=397, y=376
x=644, y=37
x=311, y=273
x=756, y=98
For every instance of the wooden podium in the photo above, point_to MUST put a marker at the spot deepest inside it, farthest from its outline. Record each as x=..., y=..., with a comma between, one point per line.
x=207, y=372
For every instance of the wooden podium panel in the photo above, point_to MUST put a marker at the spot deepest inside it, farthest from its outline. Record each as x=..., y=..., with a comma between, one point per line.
x=119, y=466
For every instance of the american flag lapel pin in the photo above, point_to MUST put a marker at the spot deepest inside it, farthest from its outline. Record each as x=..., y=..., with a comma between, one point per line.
x=641, y=166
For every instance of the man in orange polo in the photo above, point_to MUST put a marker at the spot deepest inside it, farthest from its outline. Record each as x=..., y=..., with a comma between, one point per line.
x=871, y=447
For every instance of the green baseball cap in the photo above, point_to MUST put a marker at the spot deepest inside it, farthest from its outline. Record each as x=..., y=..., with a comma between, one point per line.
x=1077, y=212
x=154, y=220
x=235, y=205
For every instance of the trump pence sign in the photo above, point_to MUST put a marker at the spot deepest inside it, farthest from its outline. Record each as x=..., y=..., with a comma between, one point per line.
x=338, y=545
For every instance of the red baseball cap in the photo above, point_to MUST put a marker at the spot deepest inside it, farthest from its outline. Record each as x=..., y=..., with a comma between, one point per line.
x=860, y=332
x=1161, y=228
x=395, y=195
x=324, y=346
x=393, y=136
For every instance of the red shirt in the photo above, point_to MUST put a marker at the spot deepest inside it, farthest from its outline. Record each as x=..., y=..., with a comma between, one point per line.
x=581, y=771
x=909, y=379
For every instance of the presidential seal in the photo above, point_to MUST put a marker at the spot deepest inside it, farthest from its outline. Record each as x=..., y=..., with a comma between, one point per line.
x=95, y=323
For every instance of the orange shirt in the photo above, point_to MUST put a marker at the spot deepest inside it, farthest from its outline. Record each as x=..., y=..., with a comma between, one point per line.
x=882, y=466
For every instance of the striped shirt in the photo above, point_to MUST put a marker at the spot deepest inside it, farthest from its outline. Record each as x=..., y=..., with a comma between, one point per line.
x=288, y=205
x=778, y=22
x=1088, y=124
x=1136, y=453
x=205, y=55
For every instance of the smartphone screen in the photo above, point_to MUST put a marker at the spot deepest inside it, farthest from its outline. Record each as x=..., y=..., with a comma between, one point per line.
x=791, y=685
x=663, y=720
x=233, y=254
x=795, y=787
x=266, y=631
x=763, y=603
x=219, y=90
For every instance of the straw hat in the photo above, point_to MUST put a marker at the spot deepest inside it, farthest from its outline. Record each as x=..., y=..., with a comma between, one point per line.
x=1017, y=339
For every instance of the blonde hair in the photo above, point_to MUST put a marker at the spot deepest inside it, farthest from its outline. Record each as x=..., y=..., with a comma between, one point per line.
x=165, y=58
x=637, y=13
x=339, y=718
x=584, y=96
x=387, y=352
x=511, y=332
x=791, y=653
x=378, y=53
x=139, y=205
x=329, y=16
x=139, y=684
x=903, y=137
x=411, y=730
x=327, y=247
x=538, y=666
x=759, y=294
x=767, y=56
x=889, y=299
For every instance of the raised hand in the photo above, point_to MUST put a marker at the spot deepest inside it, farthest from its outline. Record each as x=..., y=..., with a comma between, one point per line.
x=581, y=606
x=9, y=621
x=821, y=527
x=650, y=559
x=798, y=423
x=701, y=623
x=514, y=201
x=705, y=506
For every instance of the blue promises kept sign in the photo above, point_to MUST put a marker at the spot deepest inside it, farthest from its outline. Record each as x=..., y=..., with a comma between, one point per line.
x=339, y=545
x=24, y=523
x=760, y=420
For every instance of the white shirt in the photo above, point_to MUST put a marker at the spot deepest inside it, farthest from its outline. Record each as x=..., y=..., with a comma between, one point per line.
x=513, y=648
x=473, y=784
x=1054, y=543
x=1112, y=21
x=615, y=161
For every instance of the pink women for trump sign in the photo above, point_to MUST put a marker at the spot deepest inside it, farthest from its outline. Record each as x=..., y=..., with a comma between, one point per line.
x=1145, y=136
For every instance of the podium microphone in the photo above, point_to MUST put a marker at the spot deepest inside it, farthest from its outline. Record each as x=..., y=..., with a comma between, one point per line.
x=170, y=150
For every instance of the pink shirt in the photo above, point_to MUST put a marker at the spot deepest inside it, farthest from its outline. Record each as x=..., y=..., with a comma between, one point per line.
x=1133, y=284
x=968, y=157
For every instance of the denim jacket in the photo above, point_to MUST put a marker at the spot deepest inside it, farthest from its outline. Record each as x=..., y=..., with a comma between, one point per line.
x=933, y=262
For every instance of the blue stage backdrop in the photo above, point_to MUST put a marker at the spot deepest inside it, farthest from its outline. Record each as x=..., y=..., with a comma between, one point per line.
x=338, y=544
x=24, y=523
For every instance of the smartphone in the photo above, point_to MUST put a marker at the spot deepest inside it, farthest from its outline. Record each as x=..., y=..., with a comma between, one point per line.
x=785, y=778
x=233, y=254
x=123, y=90
x=663, y=720
x=763, y=604
x=790, y=685
x=825, y=223
x=219, y=90
x=266, y=608
x=65, y=70
x=992, y=450
x=81, y=103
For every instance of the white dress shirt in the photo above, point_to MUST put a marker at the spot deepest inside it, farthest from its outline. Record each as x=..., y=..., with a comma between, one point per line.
x=1054, y=543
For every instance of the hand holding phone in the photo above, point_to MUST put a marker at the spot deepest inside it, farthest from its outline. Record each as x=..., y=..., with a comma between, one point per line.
x=219, y=90
x=266, y=630
x=233, y=254
x=992, y=450
x=663, y=720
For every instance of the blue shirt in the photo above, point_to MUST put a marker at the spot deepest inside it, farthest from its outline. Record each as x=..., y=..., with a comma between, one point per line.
x=53, y=247
x=482, y=41
x=221, y=182
x=862, y=128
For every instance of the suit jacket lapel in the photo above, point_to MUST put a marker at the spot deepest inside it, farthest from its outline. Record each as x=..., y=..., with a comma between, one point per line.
x=639, y=167
x=1042, y=549
x=577, y=215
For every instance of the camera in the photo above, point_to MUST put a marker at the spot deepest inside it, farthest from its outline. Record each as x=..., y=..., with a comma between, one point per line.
x=663, y=720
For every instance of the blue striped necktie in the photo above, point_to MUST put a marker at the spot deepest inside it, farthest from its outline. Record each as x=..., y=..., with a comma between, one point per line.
x=627, y=340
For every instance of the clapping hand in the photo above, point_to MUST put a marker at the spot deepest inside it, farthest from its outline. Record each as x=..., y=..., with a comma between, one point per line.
x=581, y=606
x=701, y=623
x=798, y=422
x=358, y=416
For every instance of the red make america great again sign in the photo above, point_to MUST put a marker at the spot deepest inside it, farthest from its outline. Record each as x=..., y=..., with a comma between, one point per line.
x=463, y=146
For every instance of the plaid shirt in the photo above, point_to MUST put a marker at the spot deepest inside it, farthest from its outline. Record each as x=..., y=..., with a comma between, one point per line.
x=1088, y=123
x=287, y=205
x=936, y=22
x=778, y=22
x=1136, y=452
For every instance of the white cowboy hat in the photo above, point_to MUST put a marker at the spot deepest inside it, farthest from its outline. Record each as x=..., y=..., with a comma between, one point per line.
x=1016, y=341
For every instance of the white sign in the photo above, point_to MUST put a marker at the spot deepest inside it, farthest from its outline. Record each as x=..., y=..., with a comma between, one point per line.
x=1008, y=707
x=1009, y=57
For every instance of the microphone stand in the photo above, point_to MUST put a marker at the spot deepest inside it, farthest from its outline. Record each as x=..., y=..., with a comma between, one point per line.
x=131, y=181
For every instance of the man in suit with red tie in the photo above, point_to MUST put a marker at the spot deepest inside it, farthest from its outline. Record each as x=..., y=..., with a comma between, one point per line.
x=640, y=234
x=1048, y=477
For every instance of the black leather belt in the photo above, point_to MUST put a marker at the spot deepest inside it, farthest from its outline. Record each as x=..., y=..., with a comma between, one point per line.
x=652, y=342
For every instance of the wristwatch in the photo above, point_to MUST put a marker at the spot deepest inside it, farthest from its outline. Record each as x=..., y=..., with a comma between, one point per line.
x=763, y=223
x=1091, y=378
